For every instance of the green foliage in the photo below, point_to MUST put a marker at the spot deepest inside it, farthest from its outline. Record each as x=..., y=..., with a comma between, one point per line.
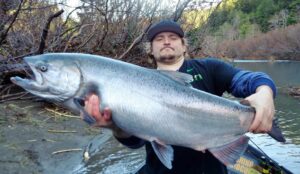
x=293, y=12
x=247, y=6
x=245, y=15
x=263, y=13
x=195, y=17
x=245, y=28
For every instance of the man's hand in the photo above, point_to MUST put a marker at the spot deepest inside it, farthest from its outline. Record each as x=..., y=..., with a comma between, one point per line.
x=91, y=106
x=103, y=119
x=263, y=103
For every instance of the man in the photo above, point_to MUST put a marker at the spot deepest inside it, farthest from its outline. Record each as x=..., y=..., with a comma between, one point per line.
x=168, y=48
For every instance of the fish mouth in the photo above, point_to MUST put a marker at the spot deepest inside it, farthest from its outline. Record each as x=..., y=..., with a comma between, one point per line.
x=34, y=83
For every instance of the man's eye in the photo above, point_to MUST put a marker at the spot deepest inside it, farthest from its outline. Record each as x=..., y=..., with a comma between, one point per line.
x=174, y=37
x=158, y=39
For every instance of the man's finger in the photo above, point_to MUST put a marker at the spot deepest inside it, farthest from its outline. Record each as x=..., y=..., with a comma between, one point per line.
x=257, y=121
x=245, y=102
x=88, y=106
x=107, y=114
x=95, y=103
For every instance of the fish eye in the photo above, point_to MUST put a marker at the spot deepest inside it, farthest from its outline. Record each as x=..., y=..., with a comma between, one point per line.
x=43, y=68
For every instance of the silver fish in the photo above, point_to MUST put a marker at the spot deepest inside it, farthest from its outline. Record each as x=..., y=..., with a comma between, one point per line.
x=158, y=106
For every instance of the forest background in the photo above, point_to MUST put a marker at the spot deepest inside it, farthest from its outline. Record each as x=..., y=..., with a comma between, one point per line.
x=31, y=130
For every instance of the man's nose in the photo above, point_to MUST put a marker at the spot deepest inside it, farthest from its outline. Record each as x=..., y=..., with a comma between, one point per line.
x=167, y=41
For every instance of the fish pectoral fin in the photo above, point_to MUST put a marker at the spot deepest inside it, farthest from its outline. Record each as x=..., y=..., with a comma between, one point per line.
x=87, y=89
x=165, y=153
x=79, y=102
x=230, y=153
x=276, y=132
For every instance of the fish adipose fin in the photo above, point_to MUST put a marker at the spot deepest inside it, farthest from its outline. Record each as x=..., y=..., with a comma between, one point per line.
x=79, y=102
x=276, y=132
x=165, y=153
x=182, y=78
x=230, y=153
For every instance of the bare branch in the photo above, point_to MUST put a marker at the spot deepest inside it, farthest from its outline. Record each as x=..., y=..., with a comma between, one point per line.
x=71, y=38
x=45, y=32
x=135, y=42
x=179, y=9
x=4, y=34
x=93, y=33
x=67, y=18
x=106, y=25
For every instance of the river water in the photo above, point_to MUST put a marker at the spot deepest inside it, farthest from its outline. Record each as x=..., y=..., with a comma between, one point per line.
x=114, y=158
x=285, y=74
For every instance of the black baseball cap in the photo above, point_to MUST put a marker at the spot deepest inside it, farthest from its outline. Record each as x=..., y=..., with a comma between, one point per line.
x=164, y=26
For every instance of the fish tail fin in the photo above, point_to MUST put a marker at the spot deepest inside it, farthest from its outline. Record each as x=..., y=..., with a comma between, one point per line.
x=230, y=153
x=276, y=132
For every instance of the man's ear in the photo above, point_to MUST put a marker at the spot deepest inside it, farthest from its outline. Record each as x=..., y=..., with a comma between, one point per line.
x=151, y=50
x=150, y=55
x=185, y=49
x=150, y=60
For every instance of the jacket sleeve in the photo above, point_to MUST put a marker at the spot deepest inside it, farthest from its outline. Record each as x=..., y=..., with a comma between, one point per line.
x=238, y=82
x=131, y=142
x=244, y=83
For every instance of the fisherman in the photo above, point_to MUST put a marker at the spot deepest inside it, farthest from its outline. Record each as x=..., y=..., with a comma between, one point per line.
x=168, y=47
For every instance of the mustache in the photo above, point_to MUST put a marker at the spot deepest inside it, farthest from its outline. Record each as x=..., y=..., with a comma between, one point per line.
x=166, y=48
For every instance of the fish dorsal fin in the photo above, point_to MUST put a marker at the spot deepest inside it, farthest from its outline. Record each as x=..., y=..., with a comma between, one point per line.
x=165, y=153
x=230, y=153
x=182, y=78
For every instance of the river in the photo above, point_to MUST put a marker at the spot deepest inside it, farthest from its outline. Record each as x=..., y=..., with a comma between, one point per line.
x=285, y=74
x=114, y=158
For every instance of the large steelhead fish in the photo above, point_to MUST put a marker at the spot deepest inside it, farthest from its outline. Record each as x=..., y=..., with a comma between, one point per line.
x=158, y=106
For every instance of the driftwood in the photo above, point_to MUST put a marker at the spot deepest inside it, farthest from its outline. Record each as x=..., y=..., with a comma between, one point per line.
x=9, y=70
x=294, y=91
x=67, y=150
x=61, y=131
x=11, y=67
x=9, y=91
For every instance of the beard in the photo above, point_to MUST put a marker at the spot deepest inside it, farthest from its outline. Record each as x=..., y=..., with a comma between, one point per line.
x=166, y=58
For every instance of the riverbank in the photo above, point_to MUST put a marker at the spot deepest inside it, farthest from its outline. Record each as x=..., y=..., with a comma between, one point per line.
x=36, y=137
